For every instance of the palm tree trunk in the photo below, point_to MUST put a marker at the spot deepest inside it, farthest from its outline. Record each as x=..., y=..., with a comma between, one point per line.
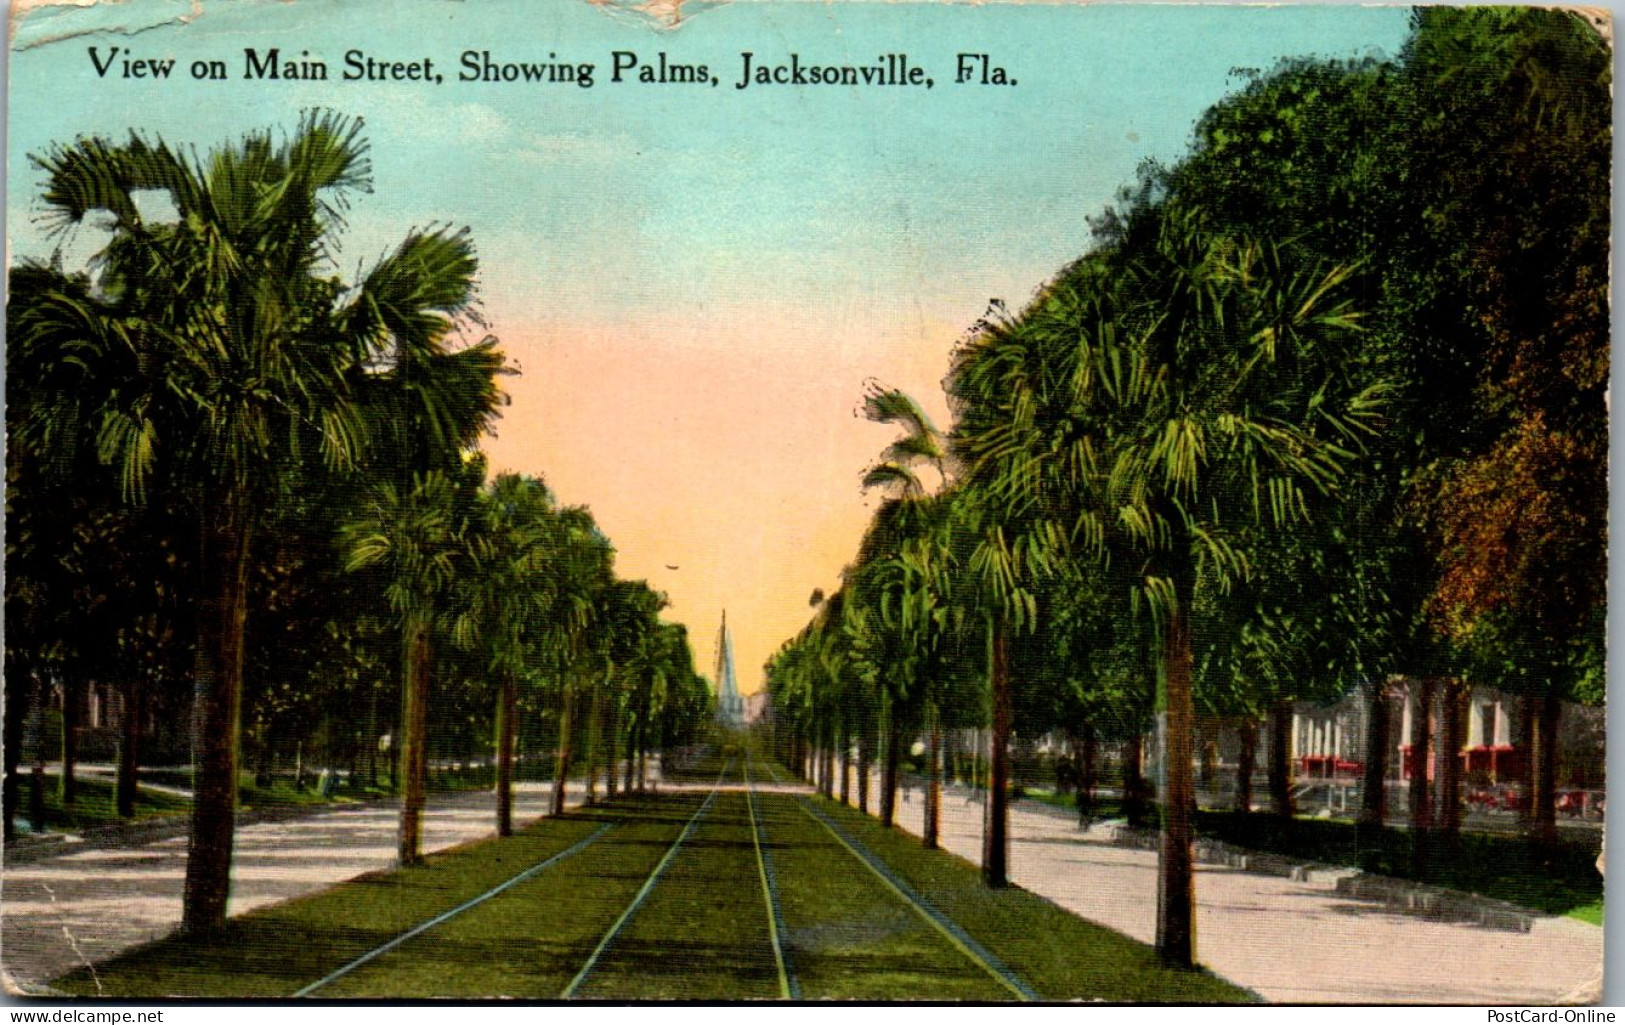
x=1176, y=889
x=566, y=727
x=996, y=838
x=414, y=754
x=864, y=754
x=1543, y=796
x=129, y=747
x=1280, y=771
x=612, y=745
x=815, y=763
x=933, y=794
x=1528, y=720
x=1421, y=735
x=1246, y=763
x=1135, y=808
x=262, y=756
x=1088, y=760
x=888, y=778
x=504, y=738
x=67, y=783
x=34, y=740
x=17, y=709
x=372, y=739
x=1374, y=789
x=846, y=767
x=633, y=730
x=218, y=684
x=594, y=737
x=817, y=757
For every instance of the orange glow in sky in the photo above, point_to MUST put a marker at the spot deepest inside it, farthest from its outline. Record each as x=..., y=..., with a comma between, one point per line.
x=731, y=451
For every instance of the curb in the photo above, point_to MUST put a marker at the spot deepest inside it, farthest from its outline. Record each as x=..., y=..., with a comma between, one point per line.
x=28, y=849
x=1403, y=895
x=1438, y=903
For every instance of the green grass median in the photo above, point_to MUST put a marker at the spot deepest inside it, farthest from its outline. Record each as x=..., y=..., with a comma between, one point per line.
x=701, y=932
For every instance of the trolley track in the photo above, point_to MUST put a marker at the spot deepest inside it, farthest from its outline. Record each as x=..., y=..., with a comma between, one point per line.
x=532, y=939
x=730, y=893
x=788, y=987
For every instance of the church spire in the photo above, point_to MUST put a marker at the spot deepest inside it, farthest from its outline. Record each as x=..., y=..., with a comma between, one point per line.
x=730, y=705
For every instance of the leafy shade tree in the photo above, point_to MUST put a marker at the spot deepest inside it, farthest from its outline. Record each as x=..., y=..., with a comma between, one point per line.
x=214, y=360
x=1519, y=239
x=1314, y=151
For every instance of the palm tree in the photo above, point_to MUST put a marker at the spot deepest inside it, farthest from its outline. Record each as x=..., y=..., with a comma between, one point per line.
x=1003, y=538
x=915, y=610
x=508, y=594
x=238, y=363
x=1215, y=392
x=421, y=539
x=1242, y=402
x=582, y=575
x=626, y=629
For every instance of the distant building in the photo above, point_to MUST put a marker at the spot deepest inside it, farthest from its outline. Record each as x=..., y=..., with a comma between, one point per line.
x=730, y=705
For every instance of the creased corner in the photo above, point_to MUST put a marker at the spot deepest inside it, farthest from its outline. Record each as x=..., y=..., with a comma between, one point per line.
x=37, y=23
x=662, y=15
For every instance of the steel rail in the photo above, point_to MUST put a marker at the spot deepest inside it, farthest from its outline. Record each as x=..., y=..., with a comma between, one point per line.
x=788, y=989
x=454, y=912
x=949, y=929
x=648, y=886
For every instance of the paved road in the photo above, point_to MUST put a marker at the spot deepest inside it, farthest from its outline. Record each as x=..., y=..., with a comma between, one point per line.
x=89, y=903
x=1290, y=942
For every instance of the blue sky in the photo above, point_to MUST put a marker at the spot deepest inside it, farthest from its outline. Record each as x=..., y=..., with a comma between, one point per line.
x=766, y=188
x=696, y=281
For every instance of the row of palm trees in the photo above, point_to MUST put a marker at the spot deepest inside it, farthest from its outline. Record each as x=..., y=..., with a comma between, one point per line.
x=1121, y=452
x=1207, y=463
x=526, y=588
x=209, y=391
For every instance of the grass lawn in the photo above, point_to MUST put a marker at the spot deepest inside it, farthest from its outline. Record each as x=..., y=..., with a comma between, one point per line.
x=281, y=790
x=1560, y=881
x=1591, y=913
x=95, y=803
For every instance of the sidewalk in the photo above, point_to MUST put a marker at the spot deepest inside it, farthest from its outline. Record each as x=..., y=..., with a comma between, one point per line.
x=1288, y=941
x=90, y=902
